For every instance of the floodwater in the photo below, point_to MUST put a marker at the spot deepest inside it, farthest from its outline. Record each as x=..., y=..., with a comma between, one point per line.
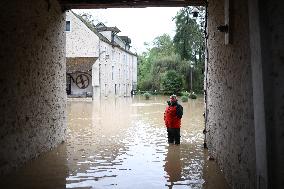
x=121, y=143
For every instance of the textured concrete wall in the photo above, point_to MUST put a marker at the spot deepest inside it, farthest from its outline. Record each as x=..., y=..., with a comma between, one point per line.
x=230, y=103
x=32, y=79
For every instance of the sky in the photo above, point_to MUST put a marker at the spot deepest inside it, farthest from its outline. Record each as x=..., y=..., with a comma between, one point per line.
x=140, y=24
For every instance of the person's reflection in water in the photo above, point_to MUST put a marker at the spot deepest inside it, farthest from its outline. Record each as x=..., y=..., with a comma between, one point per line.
x=173, y=165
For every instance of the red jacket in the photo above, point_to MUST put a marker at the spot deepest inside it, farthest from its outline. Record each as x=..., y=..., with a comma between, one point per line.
x=170, y=117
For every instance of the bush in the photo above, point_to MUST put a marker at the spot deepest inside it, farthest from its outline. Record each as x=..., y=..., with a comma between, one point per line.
x=172, y=82
x=192, y=95
x=184, y=98
x=185, y=93
x=147, y=95
x=145, y=84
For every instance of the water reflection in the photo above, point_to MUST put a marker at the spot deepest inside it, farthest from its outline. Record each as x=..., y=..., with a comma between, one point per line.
x=173, y=165
x=122, y=143
x=47, y=171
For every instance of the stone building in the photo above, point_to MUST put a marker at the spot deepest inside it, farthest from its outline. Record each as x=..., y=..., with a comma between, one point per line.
x=98, y=62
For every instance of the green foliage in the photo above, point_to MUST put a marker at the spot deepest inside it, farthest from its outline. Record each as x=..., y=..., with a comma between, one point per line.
x=172, y=82
x=185, y=93
x=188, y=39
x=147, y=95
x=189, y=44
x=184, y=98
x=183, y=54
x=152, y=64
x=192, y=95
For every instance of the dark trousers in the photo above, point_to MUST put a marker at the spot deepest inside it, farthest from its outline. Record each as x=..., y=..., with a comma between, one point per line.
x=173, y=135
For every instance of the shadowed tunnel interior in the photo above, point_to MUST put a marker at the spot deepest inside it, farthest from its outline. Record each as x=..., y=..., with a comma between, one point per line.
x=244, y=111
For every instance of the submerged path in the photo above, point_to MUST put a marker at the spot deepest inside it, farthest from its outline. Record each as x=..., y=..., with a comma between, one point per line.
x=122, y=143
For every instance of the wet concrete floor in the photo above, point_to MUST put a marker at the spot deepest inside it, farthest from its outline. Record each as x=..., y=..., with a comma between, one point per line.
x=122, y=143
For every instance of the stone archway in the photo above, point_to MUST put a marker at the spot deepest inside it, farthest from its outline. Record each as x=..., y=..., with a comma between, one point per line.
x=245, y=92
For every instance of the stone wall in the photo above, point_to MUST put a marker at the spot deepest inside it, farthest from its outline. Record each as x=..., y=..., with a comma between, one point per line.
x=118, y=72
x=230, y=123
x=80, y=41
x=32, y=79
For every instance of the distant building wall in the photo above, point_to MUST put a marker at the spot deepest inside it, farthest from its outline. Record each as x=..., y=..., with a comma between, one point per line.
x=81, y=52
x=135, y=72
x=118, y=71
x=114, y=73
x=80, y=40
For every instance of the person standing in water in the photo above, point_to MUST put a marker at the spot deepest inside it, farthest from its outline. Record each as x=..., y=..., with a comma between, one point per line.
x=172, y=118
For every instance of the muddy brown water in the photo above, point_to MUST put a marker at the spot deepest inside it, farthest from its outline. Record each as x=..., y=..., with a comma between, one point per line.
x=122, y=143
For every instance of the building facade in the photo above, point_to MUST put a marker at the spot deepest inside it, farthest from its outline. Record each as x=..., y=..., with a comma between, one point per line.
x=98, y=61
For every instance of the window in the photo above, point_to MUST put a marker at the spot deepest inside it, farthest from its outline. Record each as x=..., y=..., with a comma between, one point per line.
x=113, y=54
x=124, y=59
x=105, y=72
x=68, y=26
x=119, y=74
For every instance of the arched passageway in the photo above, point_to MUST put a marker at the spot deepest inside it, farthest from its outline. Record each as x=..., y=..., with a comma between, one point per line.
x=244, y=89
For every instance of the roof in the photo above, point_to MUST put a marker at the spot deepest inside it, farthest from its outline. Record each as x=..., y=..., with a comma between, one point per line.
x=115, y=29
x=101, y=27
x=92, y=28
x=101, y=37
x=126, y=39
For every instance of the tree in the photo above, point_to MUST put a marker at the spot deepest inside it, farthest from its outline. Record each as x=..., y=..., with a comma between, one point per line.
x=189, y=43
x=184, y=54
x=172, y=82
x=151, y=63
